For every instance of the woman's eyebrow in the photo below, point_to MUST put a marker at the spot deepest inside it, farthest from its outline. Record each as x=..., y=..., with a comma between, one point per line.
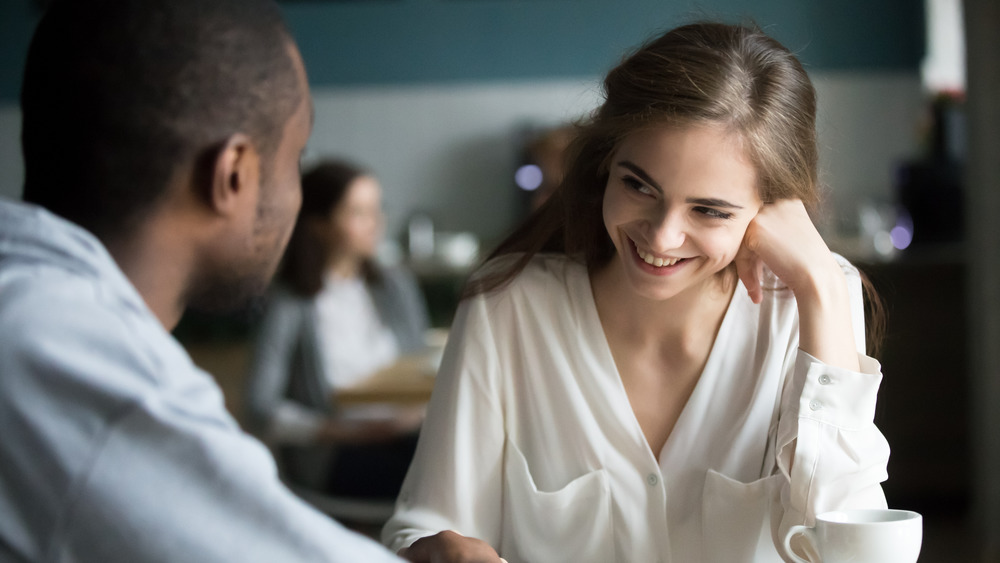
x=638, y=171
x=713, y=202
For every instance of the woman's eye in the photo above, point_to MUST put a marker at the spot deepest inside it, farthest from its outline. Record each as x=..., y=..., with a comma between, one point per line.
x=636, y=185
x=713, y=213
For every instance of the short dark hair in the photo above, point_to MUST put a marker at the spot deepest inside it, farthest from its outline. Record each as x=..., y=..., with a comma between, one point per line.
x=118, y=93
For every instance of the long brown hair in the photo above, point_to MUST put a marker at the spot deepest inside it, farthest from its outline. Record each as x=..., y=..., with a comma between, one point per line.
x=704, y=73
x=323, y=190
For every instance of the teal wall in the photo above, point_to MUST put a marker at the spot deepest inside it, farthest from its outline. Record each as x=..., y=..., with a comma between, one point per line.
x=17, y=21
x=351, y=42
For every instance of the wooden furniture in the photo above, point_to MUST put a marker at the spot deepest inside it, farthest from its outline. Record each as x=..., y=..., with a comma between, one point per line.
x=409, y=381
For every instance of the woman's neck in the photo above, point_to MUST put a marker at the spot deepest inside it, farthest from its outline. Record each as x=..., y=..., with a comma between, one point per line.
x=344, y=267
x=689, y=320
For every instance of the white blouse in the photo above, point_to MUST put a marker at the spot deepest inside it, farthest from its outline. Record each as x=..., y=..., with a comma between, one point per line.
x=531, y=444
x=354, y=340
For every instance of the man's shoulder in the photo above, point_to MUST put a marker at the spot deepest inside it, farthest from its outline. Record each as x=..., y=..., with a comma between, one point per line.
x=45, y=294
x=37, y=298
x=71, y=366
x=62, y=322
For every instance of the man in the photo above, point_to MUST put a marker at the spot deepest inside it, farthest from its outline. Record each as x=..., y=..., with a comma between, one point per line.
x=161, y=141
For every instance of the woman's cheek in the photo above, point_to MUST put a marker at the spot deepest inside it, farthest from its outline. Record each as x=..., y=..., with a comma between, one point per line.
x=729, y=246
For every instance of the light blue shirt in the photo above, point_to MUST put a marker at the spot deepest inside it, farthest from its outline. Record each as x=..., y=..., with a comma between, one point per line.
x=113, y=445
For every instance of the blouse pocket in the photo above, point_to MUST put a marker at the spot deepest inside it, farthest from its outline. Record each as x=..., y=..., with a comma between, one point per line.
x=572, y=524
x=736, y=523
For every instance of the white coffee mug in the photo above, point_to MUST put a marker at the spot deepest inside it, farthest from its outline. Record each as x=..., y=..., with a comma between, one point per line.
x=862, y=536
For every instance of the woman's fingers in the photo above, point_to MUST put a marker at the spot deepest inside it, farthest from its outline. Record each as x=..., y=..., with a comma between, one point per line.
x=783, y=237
x=750, y=270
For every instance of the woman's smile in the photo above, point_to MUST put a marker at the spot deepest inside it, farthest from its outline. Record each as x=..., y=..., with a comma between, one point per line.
x=658, y=265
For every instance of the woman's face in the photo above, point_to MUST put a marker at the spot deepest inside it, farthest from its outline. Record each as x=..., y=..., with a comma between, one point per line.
x=357, y=221
x=677, y=204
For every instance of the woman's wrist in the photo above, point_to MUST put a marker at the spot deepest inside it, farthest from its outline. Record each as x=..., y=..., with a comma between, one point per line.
x=822, y=283
x=826, y=331
x=823, y=288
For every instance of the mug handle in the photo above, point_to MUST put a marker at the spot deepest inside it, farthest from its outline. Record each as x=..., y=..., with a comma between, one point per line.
x=810, y=535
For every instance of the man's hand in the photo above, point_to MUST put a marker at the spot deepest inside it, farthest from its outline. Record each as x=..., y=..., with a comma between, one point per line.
x=450, y=547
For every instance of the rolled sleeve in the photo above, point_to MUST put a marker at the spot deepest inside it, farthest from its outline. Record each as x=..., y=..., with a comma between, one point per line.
x=829, y=447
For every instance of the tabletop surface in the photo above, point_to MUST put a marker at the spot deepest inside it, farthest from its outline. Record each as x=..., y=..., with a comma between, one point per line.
x=409, y=380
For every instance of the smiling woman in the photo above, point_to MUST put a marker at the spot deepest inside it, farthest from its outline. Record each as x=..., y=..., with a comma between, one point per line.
x=665, y=362
x=676, y=206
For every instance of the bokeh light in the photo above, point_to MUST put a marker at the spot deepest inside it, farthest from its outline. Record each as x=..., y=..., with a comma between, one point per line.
x=528, y=177
x=901, y=237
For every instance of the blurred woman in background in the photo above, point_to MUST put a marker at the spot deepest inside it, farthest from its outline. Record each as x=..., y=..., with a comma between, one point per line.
x=335, y=318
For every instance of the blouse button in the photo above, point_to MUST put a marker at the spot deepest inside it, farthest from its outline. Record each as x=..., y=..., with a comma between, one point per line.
x=652, y=479
x=815, y=405
x=824, y=379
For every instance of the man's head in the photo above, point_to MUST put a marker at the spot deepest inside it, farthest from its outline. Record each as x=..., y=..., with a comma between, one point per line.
x=123, y=100
x=243, y=254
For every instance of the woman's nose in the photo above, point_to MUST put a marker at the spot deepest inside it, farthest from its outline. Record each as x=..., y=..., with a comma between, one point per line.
x=668, y=231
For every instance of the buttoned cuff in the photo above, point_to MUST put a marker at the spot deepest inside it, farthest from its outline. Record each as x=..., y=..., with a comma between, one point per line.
x=837, y=396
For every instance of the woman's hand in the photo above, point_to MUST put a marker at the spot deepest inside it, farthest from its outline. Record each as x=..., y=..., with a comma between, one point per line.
x=450, y=547
x=783, y=237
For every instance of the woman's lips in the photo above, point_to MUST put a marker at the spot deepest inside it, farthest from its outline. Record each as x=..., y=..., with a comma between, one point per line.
x=655, y=261
x=655, y=264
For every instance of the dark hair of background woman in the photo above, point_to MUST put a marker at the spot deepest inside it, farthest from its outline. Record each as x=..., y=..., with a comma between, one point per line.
x=307, y=257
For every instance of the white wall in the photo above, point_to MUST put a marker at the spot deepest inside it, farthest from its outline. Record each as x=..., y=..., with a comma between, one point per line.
x=868, y=123
x=448, y=150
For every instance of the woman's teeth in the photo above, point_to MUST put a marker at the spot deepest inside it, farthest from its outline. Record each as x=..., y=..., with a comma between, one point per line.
x=654, y=261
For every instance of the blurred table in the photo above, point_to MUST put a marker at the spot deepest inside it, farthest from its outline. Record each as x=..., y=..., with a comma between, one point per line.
x=409, y=381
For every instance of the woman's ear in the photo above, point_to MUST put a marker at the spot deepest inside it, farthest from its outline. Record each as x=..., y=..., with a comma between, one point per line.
x=235, y=178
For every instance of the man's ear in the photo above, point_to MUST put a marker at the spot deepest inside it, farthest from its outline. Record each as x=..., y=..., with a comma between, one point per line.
x=235, y=175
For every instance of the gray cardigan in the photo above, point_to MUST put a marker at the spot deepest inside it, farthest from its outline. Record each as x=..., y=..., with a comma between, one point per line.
x=287, y=371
